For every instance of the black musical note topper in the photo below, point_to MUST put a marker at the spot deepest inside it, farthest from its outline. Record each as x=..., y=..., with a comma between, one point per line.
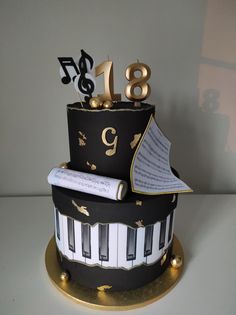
x=68, y=69
x=80, y=75
x=85, y=82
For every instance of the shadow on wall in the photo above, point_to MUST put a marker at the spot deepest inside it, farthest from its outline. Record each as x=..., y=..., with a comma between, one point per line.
x=201, y=143
x=205, y=148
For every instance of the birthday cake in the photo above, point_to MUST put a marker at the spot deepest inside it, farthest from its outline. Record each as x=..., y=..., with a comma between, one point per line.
x=109, y=243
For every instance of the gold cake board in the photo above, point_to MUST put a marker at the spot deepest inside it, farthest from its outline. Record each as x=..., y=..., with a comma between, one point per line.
x=122, y=300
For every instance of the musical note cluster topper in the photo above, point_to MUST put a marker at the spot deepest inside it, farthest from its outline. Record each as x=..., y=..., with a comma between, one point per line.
x=81, y=74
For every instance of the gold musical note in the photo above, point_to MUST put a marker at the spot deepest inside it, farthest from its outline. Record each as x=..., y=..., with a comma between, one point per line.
x=134, y=142
x=139, y=203
x=104, y=287
x=139, y=223
x=83, y=135
x=93, y=167
x=82, y=139
x=111, y=151
x=81, y=209
x=82, y=143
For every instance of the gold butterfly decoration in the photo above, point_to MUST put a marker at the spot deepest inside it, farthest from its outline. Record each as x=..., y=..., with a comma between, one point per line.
x=81, y=209
x=134, y=142
x=104, y=287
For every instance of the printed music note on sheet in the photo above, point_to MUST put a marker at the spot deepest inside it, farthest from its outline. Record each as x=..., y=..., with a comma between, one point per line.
x=150, y=170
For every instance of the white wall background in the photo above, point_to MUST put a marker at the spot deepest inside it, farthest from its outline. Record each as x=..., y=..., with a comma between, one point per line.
x=189, y=45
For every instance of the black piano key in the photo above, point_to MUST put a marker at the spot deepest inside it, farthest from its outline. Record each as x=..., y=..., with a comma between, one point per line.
x=103, y=231
x=162, y=234
x=148, y=240
x=71, y=234
x=131, y=243
x=170, y=226
x=57, y=224
x=86, y=240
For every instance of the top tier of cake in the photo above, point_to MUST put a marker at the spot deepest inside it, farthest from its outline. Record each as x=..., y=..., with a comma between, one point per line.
x=103, y=141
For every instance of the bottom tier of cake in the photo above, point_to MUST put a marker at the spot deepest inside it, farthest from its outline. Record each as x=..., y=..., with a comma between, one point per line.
x=113, y=245
x=113, y=279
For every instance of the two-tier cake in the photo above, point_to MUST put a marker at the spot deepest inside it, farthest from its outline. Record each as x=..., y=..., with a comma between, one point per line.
x=123, y=244
x=108, y=244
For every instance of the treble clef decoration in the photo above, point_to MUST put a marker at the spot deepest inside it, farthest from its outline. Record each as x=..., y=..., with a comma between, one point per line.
x=84, y=83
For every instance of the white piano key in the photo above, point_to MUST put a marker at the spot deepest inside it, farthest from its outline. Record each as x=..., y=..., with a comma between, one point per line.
x=140, y=247
x=60, y=244
x=71, y=233
x=113, y=247
x=173, y=224
x=78, y=242
x=167, y=232
x=103, y=241
x=122, y=248
x=67, y=252
x=94, y=246
x=55, y=227
x=156, y=253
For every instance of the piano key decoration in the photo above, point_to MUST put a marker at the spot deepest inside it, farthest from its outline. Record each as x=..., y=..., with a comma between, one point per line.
x=112, y=245
x=71, y=234
x=124, y=245
x=86, y=240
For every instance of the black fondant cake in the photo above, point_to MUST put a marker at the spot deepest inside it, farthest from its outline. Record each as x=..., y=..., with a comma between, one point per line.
x=105, y=138
x=102, y=243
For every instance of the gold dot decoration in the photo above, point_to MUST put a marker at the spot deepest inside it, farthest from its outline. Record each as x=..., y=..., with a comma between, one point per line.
x=107, y=104
x=95, y=102
x=176, y=261
x=65, y=277
x=63, y=165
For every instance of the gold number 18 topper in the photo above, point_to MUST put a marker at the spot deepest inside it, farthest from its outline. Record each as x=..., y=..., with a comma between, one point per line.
x=135, y=82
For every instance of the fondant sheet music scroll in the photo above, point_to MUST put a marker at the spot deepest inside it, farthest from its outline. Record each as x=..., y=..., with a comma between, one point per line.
x=150, y=170
x=89, y=183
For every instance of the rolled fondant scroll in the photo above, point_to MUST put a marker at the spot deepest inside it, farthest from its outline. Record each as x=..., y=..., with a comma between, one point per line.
x=89, y=183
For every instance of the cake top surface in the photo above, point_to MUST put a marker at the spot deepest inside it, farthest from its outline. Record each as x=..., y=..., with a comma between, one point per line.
x=118, y=106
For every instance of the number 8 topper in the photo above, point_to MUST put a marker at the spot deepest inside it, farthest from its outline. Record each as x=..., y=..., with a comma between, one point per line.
x=137, y=81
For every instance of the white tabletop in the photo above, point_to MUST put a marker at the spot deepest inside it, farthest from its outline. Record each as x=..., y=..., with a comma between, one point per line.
x=205, y=225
